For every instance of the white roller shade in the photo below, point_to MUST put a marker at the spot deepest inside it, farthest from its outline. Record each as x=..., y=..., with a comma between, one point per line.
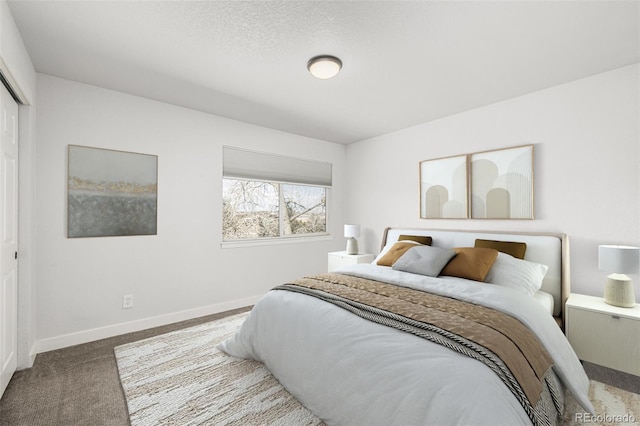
x=244, y=164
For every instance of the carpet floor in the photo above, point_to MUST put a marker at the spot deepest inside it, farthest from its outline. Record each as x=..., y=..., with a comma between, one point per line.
x=80, y=386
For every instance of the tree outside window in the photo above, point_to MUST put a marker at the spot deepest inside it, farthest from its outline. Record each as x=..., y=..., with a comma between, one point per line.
x=254, y=209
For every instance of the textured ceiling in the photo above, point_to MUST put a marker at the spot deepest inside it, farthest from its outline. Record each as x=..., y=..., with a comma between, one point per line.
x=405, y=62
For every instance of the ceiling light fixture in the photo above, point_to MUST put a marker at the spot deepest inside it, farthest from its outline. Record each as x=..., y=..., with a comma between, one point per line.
x=324, y=66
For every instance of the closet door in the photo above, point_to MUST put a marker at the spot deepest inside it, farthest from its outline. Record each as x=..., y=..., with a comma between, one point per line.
x=8, y=237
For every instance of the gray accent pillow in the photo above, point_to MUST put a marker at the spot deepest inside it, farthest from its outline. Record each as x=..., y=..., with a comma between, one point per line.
x=424, y=260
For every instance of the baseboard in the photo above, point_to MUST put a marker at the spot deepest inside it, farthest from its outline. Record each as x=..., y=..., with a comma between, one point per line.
x=72, y=339
x=26, y=360
x=30, y=358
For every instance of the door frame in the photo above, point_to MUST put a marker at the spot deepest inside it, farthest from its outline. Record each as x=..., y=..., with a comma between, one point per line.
x=9, y=170
x=26, y=332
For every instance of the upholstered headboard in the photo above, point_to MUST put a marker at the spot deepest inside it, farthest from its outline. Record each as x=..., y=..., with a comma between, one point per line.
x=549, y=249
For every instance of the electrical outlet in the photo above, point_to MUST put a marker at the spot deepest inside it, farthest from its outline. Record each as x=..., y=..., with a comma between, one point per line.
x=127, y=301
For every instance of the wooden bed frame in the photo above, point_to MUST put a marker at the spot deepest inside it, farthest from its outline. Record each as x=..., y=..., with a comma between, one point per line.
x=547, y=248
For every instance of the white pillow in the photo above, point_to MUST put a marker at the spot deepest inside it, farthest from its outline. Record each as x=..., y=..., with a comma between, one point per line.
x=523, y=275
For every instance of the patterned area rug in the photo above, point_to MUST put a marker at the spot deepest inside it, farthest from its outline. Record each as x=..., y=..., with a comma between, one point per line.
x=613, y=406
x=180, y=378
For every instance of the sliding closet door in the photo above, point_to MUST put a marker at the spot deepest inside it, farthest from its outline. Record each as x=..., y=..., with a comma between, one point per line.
x=8, y=236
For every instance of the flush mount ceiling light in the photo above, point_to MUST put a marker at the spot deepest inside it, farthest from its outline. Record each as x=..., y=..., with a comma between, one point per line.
x=324, y=66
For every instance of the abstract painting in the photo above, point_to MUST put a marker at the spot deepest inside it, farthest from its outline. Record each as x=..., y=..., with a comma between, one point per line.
x=443, y=188
x=111, y=193
x=502, y=184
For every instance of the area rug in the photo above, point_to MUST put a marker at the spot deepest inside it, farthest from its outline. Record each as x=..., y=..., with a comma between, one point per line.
x=613, y=406
x=180, y=378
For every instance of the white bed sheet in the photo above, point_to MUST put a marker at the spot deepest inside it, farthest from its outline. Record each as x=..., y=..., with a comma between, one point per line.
x=546, y=300
x=351, y=371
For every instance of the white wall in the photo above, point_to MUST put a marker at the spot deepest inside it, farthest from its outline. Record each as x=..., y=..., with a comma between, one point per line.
x=587, y=167
x=587, y=184
x=17, y=68
x=81, y=281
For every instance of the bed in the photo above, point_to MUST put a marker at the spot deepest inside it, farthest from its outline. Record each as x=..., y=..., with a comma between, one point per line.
x=411, y=340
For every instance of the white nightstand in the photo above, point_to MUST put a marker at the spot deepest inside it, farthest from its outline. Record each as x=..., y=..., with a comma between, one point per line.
x=604, y=334
x=340, y=258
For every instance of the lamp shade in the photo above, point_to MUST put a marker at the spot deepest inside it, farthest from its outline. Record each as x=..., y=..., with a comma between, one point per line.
x=351, y=231
x=619, y=259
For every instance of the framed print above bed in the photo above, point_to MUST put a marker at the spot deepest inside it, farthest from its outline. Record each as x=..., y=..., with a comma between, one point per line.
x=443, y=188
x=502, y=183
x=111, y=193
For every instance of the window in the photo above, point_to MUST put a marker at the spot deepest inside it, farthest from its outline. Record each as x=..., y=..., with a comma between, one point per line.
x=269, y=196
x=257, y=209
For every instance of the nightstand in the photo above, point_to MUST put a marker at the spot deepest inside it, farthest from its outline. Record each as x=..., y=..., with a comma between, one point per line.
x=604, y=334
x=337, y=259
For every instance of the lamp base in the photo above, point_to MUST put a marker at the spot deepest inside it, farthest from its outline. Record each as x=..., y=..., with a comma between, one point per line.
x=618, y=291
x=352, y=246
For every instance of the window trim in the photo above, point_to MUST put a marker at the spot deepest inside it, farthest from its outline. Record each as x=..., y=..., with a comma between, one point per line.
x=272, y=241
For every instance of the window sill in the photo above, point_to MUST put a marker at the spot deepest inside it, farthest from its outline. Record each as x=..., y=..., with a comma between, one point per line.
x=274, y=241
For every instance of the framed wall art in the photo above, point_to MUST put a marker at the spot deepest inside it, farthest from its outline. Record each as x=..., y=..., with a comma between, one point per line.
x=111, y=193
x=502, y=183
x=443, y=188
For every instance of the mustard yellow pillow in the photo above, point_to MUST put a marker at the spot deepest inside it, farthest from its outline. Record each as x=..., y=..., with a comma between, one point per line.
x=472, y=263
x=422, y=239
x=512, y=248
x=394, y=253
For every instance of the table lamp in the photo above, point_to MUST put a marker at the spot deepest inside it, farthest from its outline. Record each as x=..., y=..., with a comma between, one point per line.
x=619, y=260
x=351, y=232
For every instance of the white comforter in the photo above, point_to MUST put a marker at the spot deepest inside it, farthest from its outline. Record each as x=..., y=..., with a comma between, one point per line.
x=350, y=371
